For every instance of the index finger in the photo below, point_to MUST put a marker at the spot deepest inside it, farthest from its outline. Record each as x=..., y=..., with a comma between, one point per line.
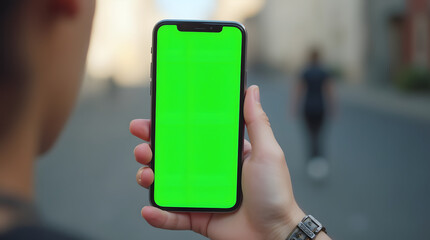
x=141, y=128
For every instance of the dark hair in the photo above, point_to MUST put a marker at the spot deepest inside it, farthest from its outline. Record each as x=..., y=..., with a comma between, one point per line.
x=9, y=12
x=12, y=74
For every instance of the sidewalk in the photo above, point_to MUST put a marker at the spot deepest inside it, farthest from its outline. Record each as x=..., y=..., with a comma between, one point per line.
x=410, y=105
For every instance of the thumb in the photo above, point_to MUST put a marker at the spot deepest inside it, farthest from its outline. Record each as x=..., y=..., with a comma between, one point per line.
x=257, y=123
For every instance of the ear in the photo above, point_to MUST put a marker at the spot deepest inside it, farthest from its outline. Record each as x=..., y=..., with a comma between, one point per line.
x=68, y=8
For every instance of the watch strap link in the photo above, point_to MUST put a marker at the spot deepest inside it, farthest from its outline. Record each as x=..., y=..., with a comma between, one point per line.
x=307, y=229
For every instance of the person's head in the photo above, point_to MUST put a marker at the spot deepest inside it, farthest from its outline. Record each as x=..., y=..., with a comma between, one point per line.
x=43, y=48
x=314, y=56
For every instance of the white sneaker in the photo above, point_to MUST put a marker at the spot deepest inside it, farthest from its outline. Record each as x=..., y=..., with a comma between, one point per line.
x=318, y=168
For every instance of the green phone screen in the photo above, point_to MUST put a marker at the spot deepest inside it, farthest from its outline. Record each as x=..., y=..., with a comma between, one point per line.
x=197, y=115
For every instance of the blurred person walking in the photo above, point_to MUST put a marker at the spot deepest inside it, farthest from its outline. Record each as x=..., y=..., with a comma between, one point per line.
x=314, y=96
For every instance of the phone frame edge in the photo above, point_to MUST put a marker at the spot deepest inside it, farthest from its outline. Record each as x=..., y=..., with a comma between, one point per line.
x=239, y=195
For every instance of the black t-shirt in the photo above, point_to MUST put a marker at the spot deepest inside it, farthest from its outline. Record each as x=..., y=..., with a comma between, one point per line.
x=35, y=233
x=26, y=223
x=314, y=78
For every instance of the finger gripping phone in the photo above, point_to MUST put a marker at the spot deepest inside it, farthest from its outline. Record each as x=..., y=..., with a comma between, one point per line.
x=197, y=86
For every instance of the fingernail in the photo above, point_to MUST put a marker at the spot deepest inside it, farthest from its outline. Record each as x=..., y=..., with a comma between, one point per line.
x=257, y=94
x=139, y=175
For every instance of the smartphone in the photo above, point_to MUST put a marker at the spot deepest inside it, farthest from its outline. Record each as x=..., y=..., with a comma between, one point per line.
x=197, y=91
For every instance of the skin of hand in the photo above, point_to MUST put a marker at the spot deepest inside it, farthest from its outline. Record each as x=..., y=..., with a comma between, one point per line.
x=268, y=210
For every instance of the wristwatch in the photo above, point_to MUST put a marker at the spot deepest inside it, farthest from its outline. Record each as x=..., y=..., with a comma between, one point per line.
x=307, y=229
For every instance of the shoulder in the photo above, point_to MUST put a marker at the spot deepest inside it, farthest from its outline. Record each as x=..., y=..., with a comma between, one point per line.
x=35, y=233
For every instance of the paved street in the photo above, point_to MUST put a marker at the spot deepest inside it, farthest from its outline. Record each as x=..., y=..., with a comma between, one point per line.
x=378, y=183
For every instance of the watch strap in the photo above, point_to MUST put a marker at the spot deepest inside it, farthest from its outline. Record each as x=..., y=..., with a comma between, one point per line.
x=307, y=229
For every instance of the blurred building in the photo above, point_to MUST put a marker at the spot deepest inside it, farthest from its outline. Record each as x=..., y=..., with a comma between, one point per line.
x=122, y=33
x=283, y=33
x=399, y=37
x=416, y=45
x=363, y=41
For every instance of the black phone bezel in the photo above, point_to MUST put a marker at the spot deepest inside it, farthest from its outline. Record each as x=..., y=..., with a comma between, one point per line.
x=199, y=26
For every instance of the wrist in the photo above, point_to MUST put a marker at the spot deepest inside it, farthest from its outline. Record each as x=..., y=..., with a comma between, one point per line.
x=292, y=221
x=292, y=218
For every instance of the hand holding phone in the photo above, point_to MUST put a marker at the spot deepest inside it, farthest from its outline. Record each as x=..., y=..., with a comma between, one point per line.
x=268, y=210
